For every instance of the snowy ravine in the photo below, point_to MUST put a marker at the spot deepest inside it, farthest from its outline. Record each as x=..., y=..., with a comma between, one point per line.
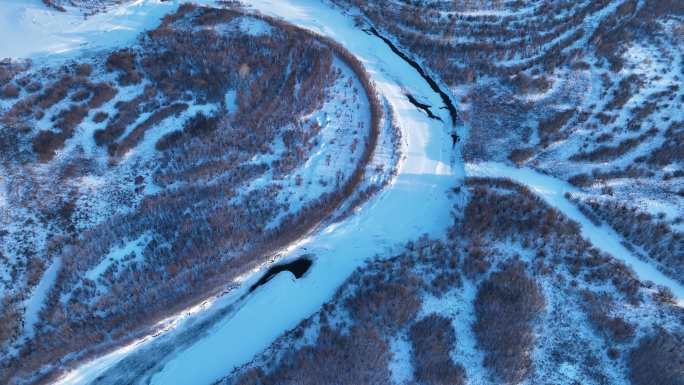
x=416, y=202
x=603, y=237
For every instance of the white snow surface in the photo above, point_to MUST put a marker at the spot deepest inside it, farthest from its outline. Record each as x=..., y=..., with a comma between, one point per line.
x=400, y=366
x=116, y=255
x=35, y=301
x=28, y=29
x=603, y=237
x=3, y=192
x=415, y=202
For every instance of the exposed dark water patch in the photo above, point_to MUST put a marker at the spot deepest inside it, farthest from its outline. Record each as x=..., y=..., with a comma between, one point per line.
x=454, y=139
x=433, y=84
x=297, y=267
x=424, y=107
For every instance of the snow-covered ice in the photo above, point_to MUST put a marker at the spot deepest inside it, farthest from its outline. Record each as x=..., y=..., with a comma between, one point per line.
x=28, y=29
x=414, y=203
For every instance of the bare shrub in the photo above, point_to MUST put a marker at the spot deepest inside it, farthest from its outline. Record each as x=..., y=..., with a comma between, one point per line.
x=53, y=5
x=503, y=210
x=101, y=94
x=168, y=140
x=549, y=128
x=124, y=62
x=69, y=119
x=487, y=135
x=477, y=260
x=581, y=180
x=658, y=359
x=10, y=91
x=386, y=304
x=34, y=86
x=584, y=209
x=627, y=87
x=661, y=242
x=433, y=338
x=10, y=319
x=138, y=132
x=361, y=357
x=9, y=69
x=83, y=69
x=664, y=295
x=55, y=92
x=515, y=215
x=672, y=149
x=46, y=143
x=80, y=95
x=614, y=328
x=200, y=125
x=527, y=84
x=520, y=155
x=506, y=305
x=127, y=113
x=100, y=117
x=605, y=153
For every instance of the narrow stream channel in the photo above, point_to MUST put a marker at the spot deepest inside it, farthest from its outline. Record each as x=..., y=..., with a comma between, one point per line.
x=433, y=84
x=422, y=106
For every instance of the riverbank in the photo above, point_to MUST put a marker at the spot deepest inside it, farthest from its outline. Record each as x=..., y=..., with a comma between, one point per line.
x=413, y=203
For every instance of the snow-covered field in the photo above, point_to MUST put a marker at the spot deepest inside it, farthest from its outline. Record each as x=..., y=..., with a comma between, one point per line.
x=415, y=202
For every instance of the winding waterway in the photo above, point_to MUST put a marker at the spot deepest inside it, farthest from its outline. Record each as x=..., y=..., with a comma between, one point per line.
x=228, y=333
x=223, y=335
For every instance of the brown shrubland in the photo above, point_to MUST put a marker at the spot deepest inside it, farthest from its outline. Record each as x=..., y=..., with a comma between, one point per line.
x=433, y=338
x=658, y=359
x=193, y=251
x=506, y=306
